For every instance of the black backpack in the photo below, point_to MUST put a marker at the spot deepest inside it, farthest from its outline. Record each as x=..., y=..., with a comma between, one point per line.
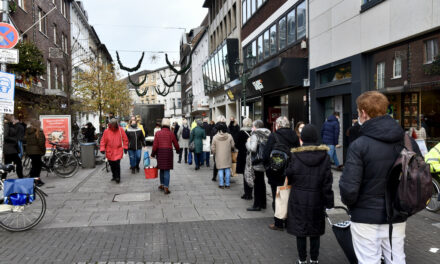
x=279, y=156
x=186, y=133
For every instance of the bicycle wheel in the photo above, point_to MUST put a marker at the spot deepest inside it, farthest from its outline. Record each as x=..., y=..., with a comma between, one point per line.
x=434, y=203
x=27, y=165
x=65, y=165
x=22, y=218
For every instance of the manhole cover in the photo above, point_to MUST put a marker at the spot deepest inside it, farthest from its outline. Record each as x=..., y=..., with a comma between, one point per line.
x=132, y=197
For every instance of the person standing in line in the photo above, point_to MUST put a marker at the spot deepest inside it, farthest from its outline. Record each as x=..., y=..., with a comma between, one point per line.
x=20, y=136
x=206, y=142
x=364, y=182
x=35, y=149
x=354, y=131
x=197, y=136
x=330, y=137
x=220, y=125
x=163, y=150
x=114, y=143
x=233, y=128
x=298, y=128
x=258, y=139
x=10, y=145
x=222, y=147
x=284, y=138
x=136, y=141
x=176, y=129
x=242, y=138
x=183, y=135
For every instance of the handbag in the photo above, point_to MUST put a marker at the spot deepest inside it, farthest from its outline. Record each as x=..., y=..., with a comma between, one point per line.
x=249, y=174
x=151, y=172
x=234, y=155
x=206, y=144
x=282, y=200
x=191, y=146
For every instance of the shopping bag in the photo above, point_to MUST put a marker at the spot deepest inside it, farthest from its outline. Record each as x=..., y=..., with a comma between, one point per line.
x=234, y=169
x=190, y=156
x=146, y=159
x=207, y=144
x=234, y=155
x=282, y=200
x=151, y=173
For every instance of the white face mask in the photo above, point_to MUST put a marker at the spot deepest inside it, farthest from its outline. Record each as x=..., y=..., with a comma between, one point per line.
x=300, y=129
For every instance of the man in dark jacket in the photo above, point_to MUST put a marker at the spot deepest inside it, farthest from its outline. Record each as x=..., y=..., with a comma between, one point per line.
x=285, y=136
x=364, y=181
x=10, y=146
x=233, y=128
x=354, y=131
x=330, y=136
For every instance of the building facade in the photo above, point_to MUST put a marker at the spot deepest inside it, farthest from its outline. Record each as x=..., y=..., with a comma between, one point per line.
x=170, y=97
x=199, y=55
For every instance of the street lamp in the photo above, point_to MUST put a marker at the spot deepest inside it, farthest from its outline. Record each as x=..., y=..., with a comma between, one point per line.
x=244, y=75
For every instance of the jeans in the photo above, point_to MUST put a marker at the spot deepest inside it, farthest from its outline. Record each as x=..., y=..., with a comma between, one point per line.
x=206, y=157
x=135, y=157
x=371, y=241
x=165, y=178
x=259, y=190
x=301, y=245
x=36, y=166
x=9, y=158
x=186, y=154
x=227, y=176
x=198, y=159
x=332, y=154
x=115, y=166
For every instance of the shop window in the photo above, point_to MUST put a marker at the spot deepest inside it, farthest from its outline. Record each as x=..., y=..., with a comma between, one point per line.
x=431, y=50
x=291, y=27
x=380, y=75
x=397, y=67
x=260, y=48
x=266, y=44
x=335, y=74
x=301, y=20
x=282, y=33
x=273, y=39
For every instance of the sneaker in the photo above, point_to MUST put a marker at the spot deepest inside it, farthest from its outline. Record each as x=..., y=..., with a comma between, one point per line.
x=301, y=262
x=314, y=262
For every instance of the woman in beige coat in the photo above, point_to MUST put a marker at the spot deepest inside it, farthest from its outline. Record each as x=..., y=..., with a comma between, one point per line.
x=222, y=146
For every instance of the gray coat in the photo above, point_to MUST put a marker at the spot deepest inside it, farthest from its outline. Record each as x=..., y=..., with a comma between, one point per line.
x=258, y=136
x=183, y=143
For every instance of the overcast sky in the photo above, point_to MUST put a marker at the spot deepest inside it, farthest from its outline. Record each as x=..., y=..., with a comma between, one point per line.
x=140, y=25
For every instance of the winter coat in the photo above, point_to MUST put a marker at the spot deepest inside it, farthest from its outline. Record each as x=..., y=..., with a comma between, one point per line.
x=310, y=175
x=113, y=143
x=89, y=134
x=20, y=131
x=330, y=131
x=34, y=145
x=136, y=139
x=257, y=137
x=207, y=128
x=364, y=179
x=163, y=148
x=242, y=138
x=222, y=147
x=287, y=137
x=433, y=158
x=353, y=132
x=10, y=139
x=197, y=135
x=234, y=130
x=183, y=142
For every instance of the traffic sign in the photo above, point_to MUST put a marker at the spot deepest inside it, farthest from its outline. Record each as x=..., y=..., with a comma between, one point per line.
x=8, y=36
x=9, y=56
x=7, y=92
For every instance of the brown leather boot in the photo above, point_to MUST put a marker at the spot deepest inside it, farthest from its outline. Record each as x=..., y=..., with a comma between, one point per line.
x=166, y=190
x=161, y=187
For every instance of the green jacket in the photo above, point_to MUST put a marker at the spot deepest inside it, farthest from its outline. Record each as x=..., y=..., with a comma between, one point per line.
x=433, y=158
x=197, y=135
x=34, y=145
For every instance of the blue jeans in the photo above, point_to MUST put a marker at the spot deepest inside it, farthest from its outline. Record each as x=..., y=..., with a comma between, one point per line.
x=135, y=157
x=205, y=157
x=332, y=154
x=165, y=178
x=198, y=159
x=227, y=174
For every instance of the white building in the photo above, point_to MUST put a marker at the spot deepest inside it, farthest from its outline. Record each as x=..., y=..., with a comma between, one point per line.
x=199, y=55
x=172, y=100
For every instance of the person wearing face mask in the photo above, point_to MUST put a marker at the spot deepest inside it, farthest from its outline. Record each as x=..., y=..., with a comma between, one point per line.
x=114, y=143
x=136, y=141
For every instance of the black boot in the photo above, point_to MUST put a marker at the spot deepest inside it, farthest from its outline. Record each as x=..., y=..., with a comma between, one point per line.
x=133, y=170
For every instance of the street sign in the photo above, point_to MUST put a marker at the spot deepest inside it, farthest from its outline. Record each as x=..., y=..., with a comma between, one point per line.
x=9, y=56
x=8, y=36
x=7, y=92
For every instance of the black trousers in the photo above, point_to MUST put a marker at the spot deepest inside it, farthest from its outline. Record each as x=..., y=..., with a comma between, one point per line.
x=215, y=172
x=247, y=189
x=259, y=190
x=198, y=159
x=186, y=154
x=116, y=169
x=36, y=166
x=301, y=244
x=278, y=222
x=14, y=158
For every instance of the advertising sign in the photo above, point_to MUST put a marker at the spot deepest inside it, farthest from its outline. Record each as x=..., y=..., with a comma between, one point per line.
x=56, y=128
x=7, y=92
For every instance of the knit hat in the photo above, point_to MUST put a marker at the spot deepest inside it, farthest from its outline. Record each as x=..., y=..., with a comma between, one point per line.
x=309, y=135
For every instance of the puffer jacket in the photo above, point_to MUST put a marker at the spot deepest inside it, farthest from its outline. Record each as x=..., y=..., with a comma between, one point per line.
x=310, y=175
x=113, y=142
x=369, y=158
x=34, y=145
x=330, y=131
x=136, y=139
x=257, y=137
x=10, y=139
x=222, y=147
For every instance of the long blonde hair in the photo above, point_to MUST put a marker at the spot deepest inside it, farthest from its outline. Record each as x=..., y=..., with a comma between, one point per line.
x=37, y=125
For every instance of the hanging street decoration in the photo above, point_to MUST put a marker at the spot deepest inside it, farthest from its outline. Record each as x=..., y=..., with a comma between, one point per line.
x=182, y=71
x=130, y=69
x=137, y=85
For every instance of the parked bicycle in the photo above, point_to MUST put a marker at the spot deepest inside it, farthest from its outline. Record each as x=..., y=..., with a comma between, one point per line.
x=16, y=218
x=61, y=161
x=434, y=203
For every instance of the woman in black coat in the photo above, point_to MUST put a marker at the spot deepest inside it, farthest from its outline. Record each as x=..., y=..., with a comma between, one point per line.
x=242, y=138
x=310, y=175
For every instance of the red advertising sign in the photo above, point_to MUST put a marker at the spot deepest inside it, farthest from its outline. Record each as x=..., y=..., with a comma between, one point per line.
x=56, y=129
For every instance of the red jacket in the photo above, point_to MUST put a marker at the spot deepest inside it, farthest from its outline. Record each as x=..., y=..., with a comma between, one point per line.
x=163, y=148
x=113, y=143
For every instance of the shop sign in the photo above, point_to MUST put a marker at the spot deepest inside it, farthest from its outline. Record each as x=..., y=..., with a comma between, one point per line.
x=7, y=92
x=258, y=85
x=56, y=128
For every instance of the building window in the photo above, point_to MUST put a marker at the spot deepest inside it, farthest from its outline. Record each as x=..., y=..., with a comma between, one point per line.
x=21, y=4
x=260, y=48
x=335, y=74
x=291, y=27
x=273, y=39
x=282, y=33
x=63, y=8
x=48, y=75
x=233, y=18
x=248, y=8
x=301, y=20
x=62, y=41
x=380, y=75
x=243, y=13
x=66, y=47
x=42, y=25
x=431, y=50
x=253, y=6
x=266, y=45
x=62, y=80
x=56, y=77
x=55, y=33
x=397, y=67
x=259, y=2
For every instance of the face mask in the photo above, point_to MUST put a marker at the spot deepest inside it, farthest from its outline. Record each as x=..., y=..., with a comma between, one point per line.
x=133, y=126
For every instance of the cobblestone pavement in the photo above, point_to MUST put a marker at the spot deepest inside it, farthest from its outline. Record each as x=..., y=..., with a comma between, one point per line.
x=196, y=223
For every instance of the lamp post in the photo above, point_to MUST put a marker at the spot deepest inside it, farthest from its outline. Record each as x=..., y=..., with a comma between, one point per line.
x=243, y=74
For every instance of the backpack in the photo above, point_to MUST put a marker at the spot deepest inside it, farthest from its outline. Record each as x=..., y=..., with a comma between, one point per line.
x=186, y=133
x=279, y=156
x=257, y=156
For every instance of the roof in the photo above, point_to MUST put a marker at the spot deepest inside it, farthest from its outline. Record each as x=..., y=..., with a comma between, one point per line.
x=207, y=3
